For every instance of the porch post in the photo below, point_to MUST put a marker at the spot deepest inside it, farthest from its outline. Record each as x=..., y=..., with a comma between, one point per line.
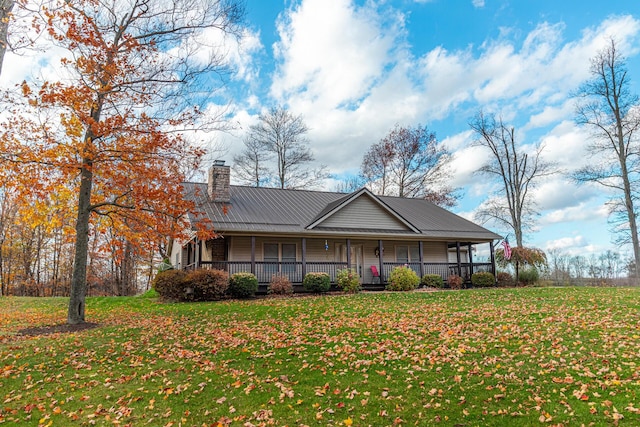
x=253, y=255
x=470, y=260
x=381, y=258
x=458, y=259
x=348, y=253
x=304, y=257
x=421, y=256
x=197, y=254
x=493, y=259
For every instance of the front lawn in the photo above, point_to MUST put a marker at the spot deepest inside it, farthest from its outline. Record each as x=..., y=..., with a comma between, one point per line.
x=539, y=356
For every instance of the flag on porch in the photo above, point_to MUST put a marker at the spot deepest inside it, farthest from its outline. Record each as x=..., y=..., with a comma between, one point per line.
x=506, y=248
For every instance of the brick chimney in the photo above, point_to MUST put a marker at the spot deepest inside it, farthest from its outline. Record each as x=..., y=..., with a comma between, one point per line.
x=219, y=177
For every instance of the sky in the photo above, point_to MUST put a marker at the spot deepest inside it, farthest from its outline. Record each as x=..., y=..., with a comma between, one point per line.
x=355, y=68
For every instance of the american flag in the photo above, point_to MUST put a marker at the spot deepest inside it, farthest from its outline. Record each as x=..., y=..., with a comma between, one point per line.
x=506, y=248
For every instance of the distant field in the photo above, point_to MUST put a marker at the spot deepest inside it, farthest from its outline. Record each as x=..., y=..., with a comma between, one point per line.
x=516, y=357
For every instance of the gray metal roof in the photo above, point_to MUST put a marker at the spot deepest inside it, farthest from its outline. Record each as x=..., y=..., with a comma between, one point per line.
x=274, y=210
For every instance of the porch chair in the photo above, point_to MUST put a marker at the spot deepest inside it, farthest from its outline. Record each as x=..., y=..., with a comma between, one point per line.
x=374, y=272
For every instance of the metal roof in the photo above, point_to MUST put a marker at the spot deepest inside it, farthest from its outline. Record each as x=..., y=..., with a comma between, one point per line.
x=274, y=210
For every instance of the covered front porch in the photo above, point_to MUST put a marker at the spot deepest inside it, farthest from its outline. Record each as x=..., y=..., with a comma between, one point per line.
x=372, y=259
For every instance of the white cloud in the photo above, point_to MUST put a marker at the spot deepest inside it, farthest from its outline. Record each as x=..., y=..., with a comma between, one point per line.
x=478, y=3
x=576, y=245
x=580, y=212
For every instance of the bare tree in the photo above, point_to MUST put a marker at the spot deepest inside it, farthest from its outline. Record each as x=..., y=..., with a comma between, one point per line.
x=281, y=135
x=250, y=166
x=516, y=171
x=349, y=184
x=611, y=111
x=409, y=162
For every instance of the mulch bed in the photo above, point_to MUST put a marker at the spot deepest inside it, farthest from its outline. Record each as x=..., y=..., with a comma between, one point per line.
x=55, y=329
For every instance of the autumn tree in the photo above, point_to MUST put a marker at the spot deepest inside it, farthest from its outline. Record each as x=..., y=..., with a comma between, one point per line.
x=135, y=75
x=279, y=139
x=610, y=110
x=515, y=171
x=522, y=257
x=409, y=162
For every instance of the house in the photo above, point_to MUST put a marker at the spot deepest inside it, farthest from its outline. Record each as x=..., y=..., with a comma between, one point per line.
x=270, y=231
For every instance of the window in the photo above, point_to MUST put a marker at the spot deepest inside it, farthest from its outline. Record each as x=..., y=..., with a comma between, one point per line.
x=407, y=254
x=402, y=254
x=270, y=257
x=276, y=253
x=289, y=257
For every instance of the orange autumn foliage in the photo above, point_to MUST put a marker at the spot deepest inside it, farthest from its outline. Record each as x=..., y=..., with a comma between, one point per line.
x=110, y=131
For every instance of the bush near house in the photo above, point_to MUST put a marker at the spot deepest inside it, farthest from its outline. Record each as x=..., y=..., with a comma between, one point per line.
x=171, y=284
x=280, y=285
x=504, y=279
x=432, y=281
x=454, y=281
x=207, y=285
x=243, y=285
x=317, y=282
x=483, y=279
x=402, y=279
x=529, y=276
x=349, y=281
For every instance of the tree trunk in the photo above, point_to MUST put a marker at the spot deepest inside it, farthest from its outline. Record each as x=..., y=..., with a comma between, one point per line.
x=633, y=225
x=5, y=10
x=79, y=278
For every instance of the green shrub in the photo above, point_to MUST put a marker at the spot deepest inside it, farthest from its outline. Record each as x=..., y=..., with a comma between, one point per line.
x=171, y=284
x=483, y=279
x=454, y=281
x=432, y=281
x=402, y=279
x=317, y=282
x=280, y=285
x=207, y=285
x=349, y=280
x=504, y=279
x=243, y=285
x=528, y=276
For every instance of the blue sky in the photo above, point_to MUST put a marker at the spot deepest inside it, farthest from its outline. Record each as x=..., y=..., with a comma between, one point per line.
x=355, y=68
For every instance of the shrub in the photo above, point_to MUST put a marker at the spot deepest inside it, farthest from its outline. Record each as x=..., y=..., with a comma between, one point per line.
x=171, y=284
x=207, y=285
x=349, y=280
x=317, y=282
x=403, y=279
x=243, y=285
x=454, y=281
x=504, y=279
x=432, y=281
x=280, y=285
x=483, y=279
x=528, y=276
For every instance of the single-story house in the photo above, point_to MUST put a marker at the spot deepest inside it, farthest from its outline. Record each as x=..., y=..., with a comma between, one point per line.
x=269, y=231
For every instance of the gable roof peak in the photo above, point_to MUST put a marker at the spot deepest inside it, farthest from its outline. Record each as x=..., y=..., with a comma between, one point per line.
x=334, y=207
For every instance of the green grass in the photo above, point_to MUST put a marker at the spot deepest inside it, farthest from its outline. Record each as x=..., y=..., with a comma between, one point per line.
x=521, y=357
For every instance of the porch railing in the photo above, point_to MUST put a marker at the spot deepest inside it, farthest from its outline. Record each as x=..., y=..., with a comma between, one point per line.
x=264, y=271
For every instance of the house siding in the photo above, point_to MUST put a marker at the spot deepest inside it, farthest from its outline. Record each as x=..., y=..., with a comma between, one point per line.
x=361, y=211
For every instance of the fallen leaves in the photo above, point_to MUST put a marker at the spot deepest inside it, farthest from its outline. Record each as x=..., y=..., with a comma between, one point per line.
x=541, y=356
